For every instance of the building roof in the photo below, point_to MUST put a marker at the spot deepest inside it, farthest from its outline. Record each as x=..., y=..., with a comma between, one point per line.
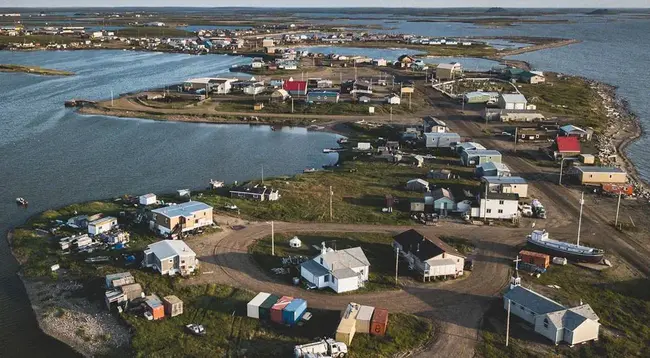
x=314, y=268
x=471, y=146
x=567, y=144
x=449, y=66
x=148, y=196
x=481, y=152
x=344, y=273
x=514, y=98
x=202, y=80
x=500, y=196
x=117, y=276
x=528, y=74
x=295, y=85
x=169, y=248
x=323, y=93
x=493, y=166
x=424, y=248
x=570, y=128
x=348, y=258
x=171, y=299
x=420, y=181
x=587, y=169
x=445, y=134
x=504, y=180
x=102, y=221
x=280, y=92
x=442, y=193
x=184, y=209
x=572, y=318
x=533, y=300
x=434, y=121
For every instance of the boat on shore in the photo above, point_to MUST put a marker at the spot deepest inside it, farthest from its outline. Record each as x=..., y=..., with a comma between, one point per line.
x=333, y=150
x=540, y=241
x=309, y=170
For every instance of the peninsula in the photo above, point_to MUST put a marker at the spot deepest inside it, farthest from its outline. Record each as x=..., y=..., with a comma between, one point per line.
x=35, y=70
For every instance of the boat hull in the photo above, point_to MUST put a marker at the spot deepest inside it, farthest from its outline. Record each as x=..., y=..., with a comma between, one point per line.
x=571, y=256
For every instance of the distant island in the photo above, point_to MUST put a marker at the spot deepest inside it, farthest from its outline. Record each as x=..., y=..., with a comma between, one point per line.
x=602, y=12
x=496, y=9
x=34, y=70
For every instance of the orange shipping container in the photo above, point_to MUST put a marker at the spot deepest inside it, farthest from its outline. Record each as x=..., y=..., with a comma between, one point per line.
x=379, y=322
x=535, y=258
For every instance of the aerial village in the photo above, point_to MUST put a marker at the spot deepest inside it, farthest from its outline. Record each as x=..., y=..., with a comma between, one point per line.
x=446, y=179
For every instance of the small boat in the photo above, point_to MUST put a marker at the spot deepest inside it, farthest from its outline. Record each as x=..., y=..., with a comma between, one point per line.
x=97, y=259
x=22, y=202
x=309, y=170
x=332, y=150
x=342, y=140
x=573, y=252
x=196, y=329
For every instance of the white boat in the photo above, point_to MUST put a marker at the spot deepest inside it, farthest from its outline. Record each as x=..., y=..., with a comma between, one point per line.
x=22, y=202
x=574, y=252
x=196, y=329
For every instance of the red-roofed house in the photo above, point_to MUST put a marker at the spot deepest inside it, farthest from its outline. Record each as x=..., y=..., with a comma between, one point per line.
x=295, y=87
x=566, y=147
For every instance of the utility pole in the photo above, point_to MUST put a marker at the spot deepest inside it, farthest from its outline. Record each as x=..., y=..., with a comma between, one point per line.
x=409, y=101
x=331, y=207
x=391, y=113
x=272, y=239
x=516, y=137
x=486, y=202
x=618, y=206
x=582, y=202
x=396, y=263
x=508, y=324
x=291, y=104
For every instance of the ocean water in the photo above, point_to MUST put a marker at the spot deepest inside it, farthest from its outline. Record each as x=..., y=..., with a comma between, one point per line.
x=53, y=156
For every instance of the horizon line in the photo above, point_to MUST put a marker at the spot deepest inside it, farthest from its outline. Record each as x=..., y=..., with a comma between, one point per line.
x=319, y=7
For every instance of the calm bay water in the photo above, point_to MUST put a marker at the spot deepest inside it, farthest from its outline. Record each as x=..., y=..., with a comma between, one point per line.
x=53, y=156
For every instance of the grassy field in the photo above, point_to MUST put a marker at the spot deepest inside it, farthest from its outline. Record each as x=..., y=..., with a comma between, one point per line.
x=475, y=50
x=623, y=307
x=377, y=248
x=151, y=32
x=359, y=190
x=341, y=108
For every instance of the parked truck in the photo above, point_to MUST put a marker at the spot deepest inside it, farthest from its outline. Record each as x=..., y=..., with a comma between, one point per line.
x=325, y=347
x=538, y=209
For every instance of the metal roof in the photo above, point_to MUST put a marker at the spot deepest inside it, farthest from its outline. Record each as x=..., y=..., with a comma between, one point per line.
x=533, y=300
x=169, y=248
x=184, y=209
x=102, y=221
x=586, y=169
x=493, y=165
x=514, y=97
x=479, y=152
x=344, y=273
x=571, y=128
x=504, y=180
x=350, y=258
x=445, y=134
x=314, y=268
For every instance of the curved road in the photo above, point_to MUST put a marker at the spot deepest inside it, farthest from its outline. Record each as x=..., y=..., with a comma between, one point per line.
x=456, y=305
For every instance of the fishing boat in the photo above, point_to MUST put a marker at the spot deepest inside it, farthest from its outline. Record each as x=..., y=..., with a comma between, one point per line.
x=196, y=329
x=574, y=252
x=309, y=170
x=22, y=202
x=332, y=150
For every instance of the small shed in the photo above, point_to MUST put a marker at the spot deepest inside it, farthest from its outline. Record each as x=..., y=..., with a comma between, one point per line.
x=295, y=242
x=253, y=307
x=147, y=199
x=587, y=158
x=132, y=291
x=364, y=317
x=183, y=193
x=417, y=185
x=173, y=305
x=363, y=146
x=379, y=322
x=155, y=306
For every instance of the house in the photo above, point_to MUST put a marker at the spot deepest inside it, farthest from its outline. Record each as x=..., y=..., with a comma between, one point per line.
x=441, y=140
x=502, y=184
x=341, y=270
x=587, y=158
x=379, y=62
x=566, y=147
x=170, y=257
x=322, y=97
x=147, y=199
x=531, y=77
x=417, y=185
x=588, y=175
x=279, y=95
x=119, y=279
x=465, y=146
x=512, y=101
x=254, y=89
x=496, y=206
x=257, y=193
x=551, y=319
x=433, y=125
x=393, y=99
x=78, y=222
x=441, y=199
x=441, y=174
x=170, y=220
x=520, y=115
x=267, y=42
x=478, y=157
x=209, y=84
x=532, y=134
x=492, y=169
x=480, y=97
x=429, y=255
x=295, y=87
x=102, y=225
x=570, y=130
x=405, y=60
x=448, y=71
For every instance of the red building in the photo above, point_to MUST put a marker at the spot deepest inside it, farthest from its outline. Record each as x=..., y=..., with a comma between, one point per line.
x=295, y=87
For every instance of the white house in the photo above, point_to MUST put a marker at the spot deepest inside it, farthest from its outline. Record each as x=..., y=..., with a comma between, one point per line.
x=380, y=62
x=341, y=270
x=512, y=101
x=254, y=89
x=170, y=257
x=506, y=184
x=170, y=220
x=147, y=199
x=102, y=225
x=441, y=140
x=551, y=319
x=433, y=125
x=393, y=99
x=496, y=206
x=430, y=256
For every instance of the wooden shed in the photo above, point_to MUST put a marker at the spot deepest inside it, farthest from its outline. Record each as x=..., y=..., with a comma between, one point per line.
x=173, y=306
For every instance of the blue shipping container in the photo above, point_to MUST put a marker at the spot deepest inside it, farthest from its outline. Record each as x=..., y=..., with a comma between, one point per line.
x=294, y=311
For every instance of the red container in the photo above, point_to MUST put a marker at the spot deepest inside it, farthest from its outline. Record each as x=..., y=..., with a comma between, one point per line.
x=276, y=309
x=535, y=258
x=379, y=322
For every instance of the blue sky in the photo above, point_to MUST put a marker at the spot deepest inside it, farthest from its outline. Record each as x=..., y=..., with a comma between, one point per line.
x=335, y=3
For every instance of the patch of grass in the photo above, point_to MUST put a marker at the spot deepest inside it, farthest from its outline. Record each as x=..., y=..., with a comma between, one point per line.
x=462, y=245
x=377, y=248
x=475, y=50
x=405, y=332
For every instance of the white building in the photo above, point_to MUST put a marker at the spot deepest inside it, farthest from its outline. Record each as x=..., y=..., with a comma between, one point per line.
x=102, y=225
x=147, y=199
x=254, y=89
x=551, y=319
x=441, y=140
x=170, y=257
x=497, y=206
x=341, y=270
x=512, y=101
x=379, y=62
x=433, y=125
x=506, y=185
x=430, y=256
x=394, y=99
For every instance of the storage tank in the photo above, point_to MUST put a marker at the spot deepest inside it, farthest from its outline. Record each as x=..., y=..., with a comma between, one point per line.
x=363, y=319
x=379, y=322
x=278, y=307
x=293, y=312
x=253, y=307
x=265, y=307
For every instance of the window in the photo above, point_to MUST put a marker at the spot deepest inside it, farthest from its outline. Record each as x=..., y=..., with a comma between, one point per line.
x=545, y=322
x=321, y=260
x=489, y=211
x=501, y=202
x=500, y=211
x=196, y=221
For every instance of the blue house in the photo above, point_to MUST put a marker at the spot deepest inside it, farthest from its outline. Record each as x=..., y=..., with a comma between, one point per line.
x=322, y=97
x=442, y=200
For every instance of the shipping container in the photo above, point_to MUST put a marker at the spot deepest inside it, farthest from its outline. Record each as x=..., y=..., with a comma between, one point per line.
x=155, y=306
x=173, y=306
x=265, y=307
x=615, y=189
x=363, y=319
x=345, y=331
x=535, y=258
x=276, y=310
x=253, y=307
x=379, y=322
x=294, y=311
